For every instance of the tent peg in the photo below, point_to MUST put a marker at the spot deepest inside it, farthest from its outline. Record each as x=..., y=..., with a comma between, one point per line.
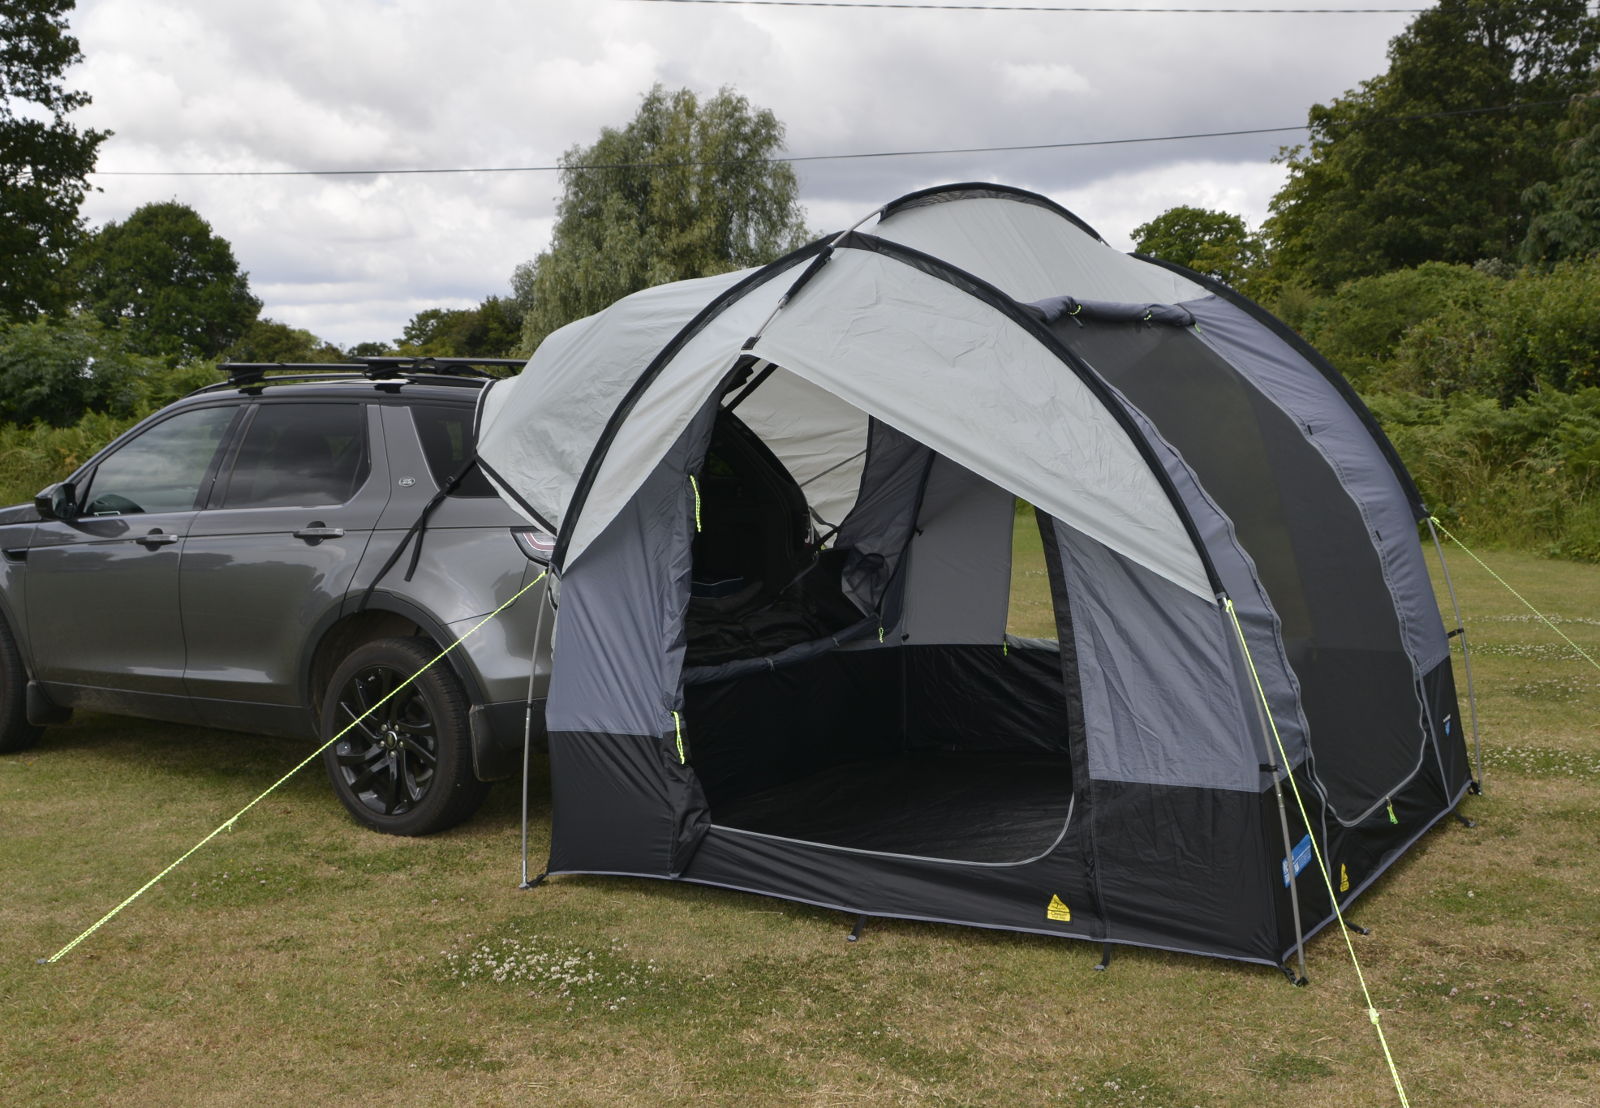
x=534, y=882
x=1357, y=928
x=1295, y=979
x=1464, y=821
x=1105, y=959
x=855, y=932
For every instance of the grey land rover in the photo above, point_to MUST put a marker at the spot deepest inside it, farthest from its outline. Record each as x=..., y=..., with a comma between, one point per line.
x=246, y=558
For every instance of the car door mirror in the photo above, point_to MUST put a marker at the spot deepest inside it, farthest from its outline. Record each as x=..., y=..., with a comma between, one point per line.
x=58, y=501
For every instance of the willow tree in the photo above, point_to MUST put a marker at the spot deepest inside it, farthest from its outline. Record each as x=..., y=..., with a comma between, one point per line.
x=688, y=188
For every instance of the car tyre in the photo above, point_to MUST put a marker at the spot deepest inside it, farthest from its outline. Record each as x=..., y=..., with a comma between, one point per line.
x=16, y=733
x=402, y=763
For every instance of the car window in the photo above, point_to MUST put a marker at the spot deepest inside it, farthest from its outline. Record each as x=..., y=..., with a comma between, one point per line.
x=160, y=470
x=300, y=454
x=446, y=434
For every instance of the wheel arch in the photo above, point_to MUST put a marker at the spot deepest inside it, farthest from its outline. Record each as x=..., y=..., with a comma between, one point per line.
x=384, y=616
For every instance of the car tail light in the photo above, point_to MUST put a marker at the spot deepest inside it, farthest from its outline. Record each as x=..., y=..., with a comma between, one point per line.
x=536, y=544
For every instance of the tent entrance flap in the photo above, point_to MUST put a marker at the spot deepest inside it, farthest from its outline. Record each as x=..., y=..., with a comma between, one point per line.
x=949, y=750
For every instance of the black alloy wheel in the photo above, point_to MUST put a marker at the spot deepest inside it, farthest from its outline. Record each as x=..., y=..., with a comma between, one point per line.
x=403, y=762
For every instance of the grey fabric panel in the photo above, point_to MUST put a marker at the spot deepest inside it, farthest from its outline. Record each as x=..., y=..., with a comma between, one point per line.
x=958, y=583
x=1172, y=315
x=1338, y=433
x=1263, y=630
x=877, y=529
x=1161, y=699
x=619, y=638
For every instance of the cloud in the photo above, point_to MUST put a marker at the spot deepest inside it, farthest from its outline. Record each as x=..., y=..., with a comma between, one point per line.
x=303, y=84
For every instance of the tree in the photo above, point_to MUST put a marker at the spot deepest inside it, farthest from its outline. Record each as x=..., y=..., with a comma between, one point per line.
x=686, y=189
x=1428, y=161
x=1218, y=244
x=491, y=330
x=44, y=160
x=168, y=281
x=1566, y=212
x=267, y=340
x=56, y=370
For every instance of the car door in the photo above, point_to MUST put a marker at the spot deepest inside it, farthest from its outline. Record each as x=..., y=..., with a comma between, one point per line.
x=272, y=555
x=102, y=591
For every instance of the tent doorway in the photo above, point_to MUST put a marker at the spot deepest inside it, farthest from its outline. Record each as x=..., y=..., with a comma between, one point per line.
x=805, y=725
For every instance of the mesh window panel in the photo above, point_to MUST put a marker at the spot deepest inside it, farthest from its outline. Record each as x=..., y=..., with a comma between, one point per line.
x=1309, y=543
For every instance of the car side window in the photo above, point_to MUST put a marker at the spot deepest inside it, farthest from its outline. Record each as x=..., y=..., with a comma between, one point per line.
x=446, y=434
x=162, y=469
x=300, y=455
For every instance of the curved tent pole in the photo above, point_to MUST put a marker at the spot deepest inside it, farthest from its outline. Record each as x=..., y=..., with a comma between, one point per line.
x=619, y=415
x=1321, y=364
x=1110, y=399
x=527, y=734
x=978, y=190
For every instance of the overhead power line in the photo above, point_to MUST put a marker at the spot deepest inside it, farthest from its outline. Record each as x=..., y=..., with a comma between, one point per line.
x=798, y=158
x=1054, y=8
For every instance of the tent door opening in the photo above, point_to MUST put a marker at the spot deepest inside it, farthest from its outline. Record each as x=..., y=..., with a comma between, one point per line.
x=806, y=726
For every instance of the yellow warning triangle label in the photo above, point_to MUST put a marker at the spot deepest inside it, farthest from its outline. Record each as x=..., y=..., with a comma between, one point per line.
x=1058, y=910
x=1344, y=879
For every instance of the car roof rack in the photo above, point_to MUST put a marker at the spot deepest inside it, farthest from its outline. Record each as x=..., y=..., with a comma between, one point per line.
x=255, y=375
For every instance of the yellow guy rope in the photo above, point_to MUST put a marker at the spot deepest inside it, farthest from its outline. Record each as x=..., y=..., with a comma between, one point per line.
x=228, y=823
x=1581, y=653
x=1322, y=864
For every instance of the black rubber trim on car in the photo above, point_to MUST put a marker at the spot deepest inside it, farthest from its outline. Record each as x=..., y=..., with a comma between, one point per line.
x=427, y=624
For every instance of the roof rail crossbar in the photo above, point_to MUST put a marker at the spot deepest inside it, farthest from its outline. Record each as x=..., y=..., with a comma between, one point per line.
x=254, y=374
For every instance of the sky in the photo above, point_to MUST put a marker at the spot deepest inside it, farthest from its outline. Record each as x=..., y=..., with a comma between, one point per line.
x=237, y=86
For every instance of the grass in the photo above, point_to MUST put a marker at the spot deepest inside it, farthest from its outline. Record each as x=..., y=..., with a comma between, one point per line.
x=298, y=959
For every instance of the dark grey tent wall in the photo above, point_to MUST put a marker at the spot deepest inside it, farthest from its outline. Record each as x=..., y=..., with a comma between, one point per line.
x=1310, y=544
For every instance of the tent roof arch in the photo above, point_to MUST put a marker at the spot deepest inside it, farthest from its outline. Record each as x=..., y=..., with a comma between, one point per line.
x=1102, y=477
x=649, y=360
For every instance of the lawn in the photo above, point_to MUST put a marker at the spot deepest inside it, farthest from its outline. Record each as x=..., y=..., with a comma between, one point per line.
x=298, y=959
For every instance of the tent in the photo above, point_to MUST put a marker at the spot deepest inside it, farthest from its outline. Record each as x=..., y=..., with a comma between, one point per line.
x=784, y=503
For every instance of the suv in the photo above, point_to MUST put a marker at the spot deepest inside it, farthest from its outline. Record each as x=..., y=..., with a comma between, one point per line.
x=234, y=561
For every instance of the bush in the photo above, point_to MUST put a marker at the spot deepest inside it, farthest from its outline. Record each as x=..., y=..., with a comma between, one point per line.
x=1527, y=475
x=38, y=455
x=1360, y=327
x=1548, y=329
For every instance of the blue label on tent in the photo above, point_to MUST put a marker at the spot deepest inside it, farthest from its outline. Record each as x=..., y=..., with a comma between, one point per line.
x=1447, y=721
x=1301, y=859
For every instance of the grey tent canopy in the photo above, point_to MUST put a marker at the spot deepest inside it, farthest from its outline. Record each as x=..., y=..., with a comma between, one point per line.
x=784, y=502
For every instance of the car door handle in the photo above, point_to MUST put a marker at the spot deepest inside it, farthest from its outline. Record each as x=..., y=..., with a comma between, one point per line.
x=157, y=538
x=317, y=532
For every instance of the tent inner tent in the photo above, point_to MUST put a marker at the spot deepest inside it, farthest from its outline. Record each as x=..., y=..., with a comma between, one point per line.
x=785, y=502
